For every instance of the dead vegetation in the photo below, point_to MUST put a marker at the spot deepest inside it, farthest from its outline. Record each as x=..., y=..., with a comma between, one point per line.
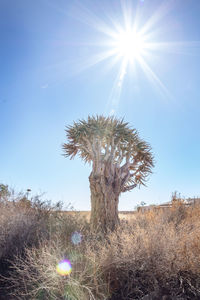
x=153, y=255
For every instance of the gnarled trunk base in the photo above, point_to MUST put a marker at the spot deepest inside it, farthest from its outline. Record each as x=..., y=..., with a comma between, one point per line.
x=104, y=204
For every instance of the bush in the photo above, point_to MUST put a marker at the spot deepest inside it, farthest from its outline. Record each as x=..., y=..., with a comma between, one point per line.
x=23, y=224
x=155, y=254
x=41, y=281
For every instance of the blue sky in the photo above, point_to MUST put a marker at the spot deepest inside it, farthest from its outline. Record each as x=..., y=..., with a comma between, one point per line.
x=50, y=76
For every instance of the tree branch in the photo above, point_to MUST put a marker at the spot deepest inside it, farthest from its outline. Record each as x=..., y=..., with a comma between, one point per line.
x=89, y=146
x=128, y=188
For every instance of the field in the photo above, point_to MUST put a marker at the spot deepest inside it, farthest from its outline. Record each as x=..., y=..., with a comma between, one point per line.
x=151, y=255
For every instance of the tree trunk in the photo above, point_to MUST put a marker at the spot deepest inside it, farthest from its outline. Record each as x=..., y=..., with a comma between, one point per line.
x=104, y=203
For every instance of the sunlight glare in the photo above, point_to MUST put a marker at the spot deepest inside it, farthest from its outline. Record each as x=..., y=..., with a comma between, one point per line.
x=129, y=45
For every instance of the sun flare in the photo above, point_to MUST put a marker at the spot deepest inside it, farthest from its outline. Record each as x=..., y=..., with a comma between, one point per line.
x=129, y=45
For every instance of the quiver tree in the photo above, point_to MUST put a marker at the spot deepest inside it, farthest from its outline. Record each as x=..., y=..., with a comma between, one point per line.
x=120, y=162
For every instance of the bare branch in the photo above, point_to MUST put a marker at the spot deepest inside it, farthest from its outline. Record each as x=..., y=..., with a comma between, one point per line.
x=129, y=188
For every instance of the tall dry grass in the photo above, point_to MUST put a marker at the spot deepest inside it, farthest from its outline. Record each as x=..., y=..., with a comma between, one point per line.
x=154, y=255
x=23, y=224
x=157, y=253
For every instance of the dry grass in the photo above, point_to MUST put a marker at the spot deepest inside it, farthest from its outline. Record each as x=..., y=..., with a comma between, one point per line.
x=155, y=253
x=123, y=215
x=158, y=251
x=23, y=224
x=40, y=280
x=20, y=226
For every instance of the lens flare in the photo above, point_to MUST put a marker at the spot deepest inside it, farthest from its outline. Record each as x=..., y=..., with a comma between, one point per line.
x=76, y=238
x=64, y=267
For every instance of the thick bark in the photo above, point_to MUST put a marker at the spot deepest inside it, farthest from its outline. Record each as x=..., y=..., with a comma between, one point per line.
x=104, y=203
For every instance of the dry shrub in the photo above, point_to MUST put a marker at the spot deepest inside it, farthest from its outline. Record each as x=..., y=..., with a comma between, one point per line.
x=35, y=277
x=23, y=223
x=21, y=226
x=62, y=226
x=159, y=251
x=156, y=253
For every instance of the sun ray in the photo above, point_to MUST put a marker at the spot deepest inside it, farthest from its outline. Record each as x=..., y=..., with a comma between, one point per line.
x=88, y=17
x=159, y=14
x=95, y=59
x=66, y=69
x=125, y=40
x=113, y=101
x=178, y=47
x=156, y=81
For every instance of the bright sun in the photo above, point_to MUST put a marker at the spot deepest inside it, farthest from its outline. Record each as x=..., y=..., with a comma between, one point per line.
x=129, y=45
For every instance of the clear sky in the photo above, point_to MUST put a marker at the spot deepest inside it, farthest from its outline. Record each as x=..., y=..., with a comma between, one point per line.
x=55, y=68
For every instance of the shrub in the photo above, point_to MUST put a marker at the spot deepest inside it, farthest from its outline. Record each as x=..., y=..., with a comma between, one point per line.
x=41, y=281
x=23, y=224
x=156, y=253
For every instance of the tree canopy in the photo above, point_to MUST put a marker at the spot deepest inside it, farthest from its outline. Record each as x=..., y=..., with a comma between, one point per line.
x=102, y=139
